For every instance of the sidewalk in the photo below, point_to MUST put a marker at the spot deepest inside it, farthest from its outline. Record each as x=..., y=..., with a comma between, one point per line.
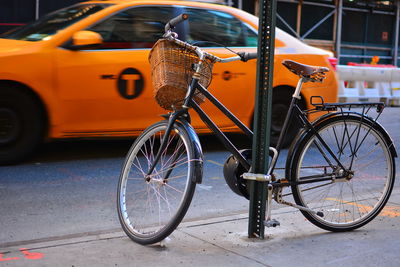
x=223, y=242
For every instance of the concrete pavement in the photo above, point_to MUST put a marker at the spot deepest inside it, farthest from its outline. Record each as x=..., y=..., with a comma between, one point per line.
x=223, y=241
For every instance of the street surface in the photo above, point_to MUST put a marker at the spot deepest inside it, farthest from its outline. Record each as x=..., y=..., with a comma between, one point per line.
x=68, y=190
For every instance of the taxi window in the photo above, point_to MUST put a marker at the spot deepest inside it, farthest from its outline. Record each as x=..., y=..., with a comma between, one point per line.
x=212, y=27
x=138, y=27
x=51, y=23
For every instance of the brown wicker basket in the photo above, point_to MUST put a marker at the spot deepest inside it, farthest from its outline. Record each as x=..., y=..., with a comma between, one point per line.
x=171, y=72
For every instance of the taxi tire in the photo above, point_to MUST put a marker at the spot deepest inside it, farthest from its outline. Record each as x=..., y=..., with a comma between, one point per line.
x=23, y=124
x=281, y=98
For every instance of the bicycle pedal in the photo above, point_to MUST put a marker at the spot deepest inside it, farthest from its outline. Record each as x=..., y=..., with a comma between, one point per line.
x=272, y=223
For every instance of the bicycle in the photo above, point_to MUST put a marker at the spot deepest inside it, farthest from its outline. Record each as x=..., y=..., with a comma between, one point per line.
x=340, y=168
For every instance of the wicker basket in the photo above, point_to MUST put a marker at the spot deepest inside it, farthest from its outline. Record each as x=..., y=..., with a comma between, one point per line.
x=171, y=72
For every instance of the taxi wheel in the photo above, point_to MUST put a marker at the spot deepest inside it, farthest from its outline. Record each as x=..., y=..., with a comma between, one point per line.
x=21, y=124
x=282, y=96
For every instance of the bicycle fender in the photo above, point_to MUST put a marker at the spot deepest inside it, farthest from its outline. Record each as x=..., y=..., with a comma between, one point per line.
x=198, y=152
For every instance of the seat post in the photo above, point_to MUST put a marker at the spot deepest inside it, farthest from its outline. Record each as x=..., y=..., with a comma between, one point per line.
x=298, y=87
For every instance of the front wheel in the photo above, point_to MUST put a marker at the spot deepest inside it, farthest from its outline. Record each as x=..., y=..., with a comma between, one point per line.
x=151, y=206
x=350, y=197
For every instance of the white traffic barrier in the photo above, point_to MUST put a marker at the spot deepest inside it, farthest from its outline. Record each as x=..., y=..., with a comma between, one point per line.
x=368, y=84
x=395, y=85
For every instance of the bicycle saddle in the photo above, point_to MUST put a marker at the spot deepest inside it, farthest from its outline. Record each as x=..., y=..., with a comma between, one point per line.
x=312, y=73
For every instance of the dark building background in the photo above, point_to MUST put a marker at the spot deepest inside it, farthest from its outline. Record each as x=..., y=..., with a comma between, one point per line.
x=364, y=28
x=368, y=27
x=18, y=12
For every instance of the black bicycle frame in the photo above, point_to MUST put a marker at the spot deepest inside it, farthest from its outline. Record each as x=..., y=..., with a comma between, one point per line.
x=223, y=138
x=294, y=110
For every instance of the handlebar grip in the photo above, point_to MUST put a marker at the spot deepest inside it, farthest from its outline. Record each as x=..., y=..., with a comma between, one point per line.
x=175, y=21
x=245, y=56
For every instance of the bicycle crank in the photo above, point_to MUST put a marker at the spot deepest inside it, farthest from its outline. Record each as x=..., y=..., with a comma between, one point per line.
x=279, y=199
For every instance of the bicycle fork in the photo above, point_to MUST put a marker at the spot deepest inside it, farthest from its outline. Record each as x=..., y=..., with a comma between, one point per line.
x=171, y=120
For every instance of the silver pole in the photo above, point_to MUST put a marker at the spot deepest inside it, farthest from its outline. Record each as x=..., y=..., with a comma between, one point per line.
x=240, y=4
x=396, y=35
x=298, y=22
x=37, y=10
x=339, y=9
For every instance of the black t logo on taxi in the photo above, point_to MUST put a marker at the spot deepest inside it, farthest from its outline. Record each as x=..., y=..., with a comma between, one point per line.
x=130, y=83
x=226, y=75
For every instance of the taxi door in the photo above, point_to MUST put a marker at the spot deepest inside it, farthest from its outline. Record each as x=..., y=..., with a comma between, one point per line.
x=233, y=83
x=108, y=90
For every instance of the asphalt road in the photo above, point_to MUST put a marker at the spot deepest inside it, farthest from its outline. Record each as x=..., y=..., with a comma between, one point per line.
x=69, y=188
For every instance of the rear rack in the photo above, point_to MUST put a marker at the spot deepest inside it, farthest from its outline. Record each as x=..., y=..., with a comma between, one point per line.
x=365, y=109
x=322, y=106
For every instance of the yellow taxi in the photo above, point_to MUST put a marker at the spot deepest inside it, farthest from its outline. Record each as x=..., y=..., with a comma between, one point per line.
x=55, y=84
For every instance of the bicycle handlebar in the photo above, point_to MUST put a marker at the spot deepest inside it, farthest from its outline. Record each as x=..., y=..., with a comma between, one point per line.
x=245, y=56
x=172, y=36
x=175, y=21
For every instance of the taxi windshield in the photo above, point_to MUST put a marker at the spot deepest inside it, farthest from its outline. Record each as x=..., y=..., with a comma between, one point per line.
x=51, y=23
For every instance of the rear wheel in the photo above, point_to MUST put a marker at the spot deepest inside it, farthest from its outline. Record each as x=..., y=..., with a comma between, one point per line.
x=347, y=201
x=151, y=206
x=21, y=124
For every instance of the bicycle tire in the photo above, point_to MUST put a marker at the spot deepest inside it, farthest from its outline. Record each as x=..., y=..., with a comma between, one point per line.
x=344, y=204
x=150, y=210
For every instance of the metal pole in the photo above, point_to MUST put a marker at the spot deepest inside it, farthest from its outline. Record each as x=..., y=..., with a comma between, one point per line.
x=396, y=35
x=334, y=30
x=366, y=27
x=339, y=8
x=262, y=116
x=298, y=21
x=240, y=4
x=37, y=10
